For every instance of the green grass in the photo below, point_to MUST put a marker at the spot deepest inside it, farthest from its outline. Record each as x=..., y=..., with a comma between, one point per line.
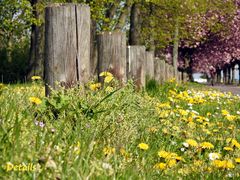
x=84, y=134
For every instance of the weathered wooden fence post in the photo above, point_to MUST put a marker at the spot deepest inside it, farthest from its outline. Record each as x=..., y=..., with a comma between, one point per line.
x=136, y=64
x=185, y=77
x=162, y=71
x=112, y=54
x=149, y=65
x=166, y=71
x=171, y=72
x=179, y=77
x=94, y=49
x=157, y=69
x=67, y=44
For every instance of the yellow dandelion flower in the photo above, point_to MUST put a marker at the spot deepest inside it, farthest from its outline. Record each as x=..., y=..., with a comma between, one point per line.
x=183, y=112
x=225, y=112
x=105, y=73
x=231, y=117
x=35, y=100
x=218, y=163
x=108, y=151
x=108, y=79
x=229, y=165
x=192, y=142
x=172, y=156
x=163, y=154
x=207, y=145
x=228, y=149
x=160, y=166
x=143, y=146
x=225, y=164
x=237, y=160
x=209, y=114
x=235, y=143
x=109, y=89
x=171, y=163
x=95, y=86
x=179, y=158
x=35, y=78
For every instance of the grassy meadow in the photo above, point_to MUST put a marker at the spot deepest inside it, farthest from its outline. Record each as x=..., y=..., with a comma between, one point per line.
x=105, y=131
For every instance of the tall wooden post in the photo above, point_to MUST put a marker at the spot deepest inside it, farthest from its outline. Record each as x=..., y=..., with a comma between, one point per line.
x=162, y=71
x=136, y=67
x=166, y=71
x=67, y=45
x=149, y=64
x=157, y=69
x=94, y=50
x=169, y=72
x=112, y=54
x=179, y=77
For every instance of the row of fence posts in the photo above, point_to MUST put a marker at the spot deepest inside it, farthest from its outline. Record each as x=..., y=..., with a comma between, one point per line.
x=67, y=51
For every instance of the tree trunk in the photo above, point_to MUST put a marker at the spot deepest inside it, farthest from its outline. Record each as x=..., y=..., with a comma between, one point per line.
x=35, y=63
x=9, y=50
x=228, y=75
x=123, y=17
x=224, y=75
x=218, y=75
x=135, y=25
x=189, y=70
x=175, y=49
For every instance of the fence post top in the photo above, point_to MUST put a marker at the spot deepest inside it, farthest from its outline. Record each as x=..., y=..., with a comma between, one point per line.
x=111, y=33
x=56, y=5
x=136, y=46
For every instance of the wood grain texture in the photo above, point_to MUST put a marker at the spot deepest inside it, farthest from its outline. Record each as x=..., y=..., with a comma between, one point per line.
x=60, y=45
x=112, y=54
x=83, y=42
x=93, y=50
x=162, y=71
x=149, y=64
x=136, y=56
x=170, y=72
x=167, y=74
x=67, y=44
x=157, y=69
x=179, y=78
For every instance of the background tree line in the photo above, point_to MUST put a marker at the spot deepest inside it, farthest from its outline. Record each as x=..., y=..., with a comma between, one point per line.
x=168, y=27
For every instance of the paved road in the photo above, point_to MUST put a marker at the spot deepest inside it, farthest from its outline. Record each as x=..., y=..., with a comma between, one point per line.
x=228, y=88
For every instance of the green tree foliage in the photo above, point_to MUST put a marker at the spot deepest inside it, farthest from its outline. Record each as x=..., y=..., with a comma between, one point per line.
x=15, y=21
x=161, y=16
